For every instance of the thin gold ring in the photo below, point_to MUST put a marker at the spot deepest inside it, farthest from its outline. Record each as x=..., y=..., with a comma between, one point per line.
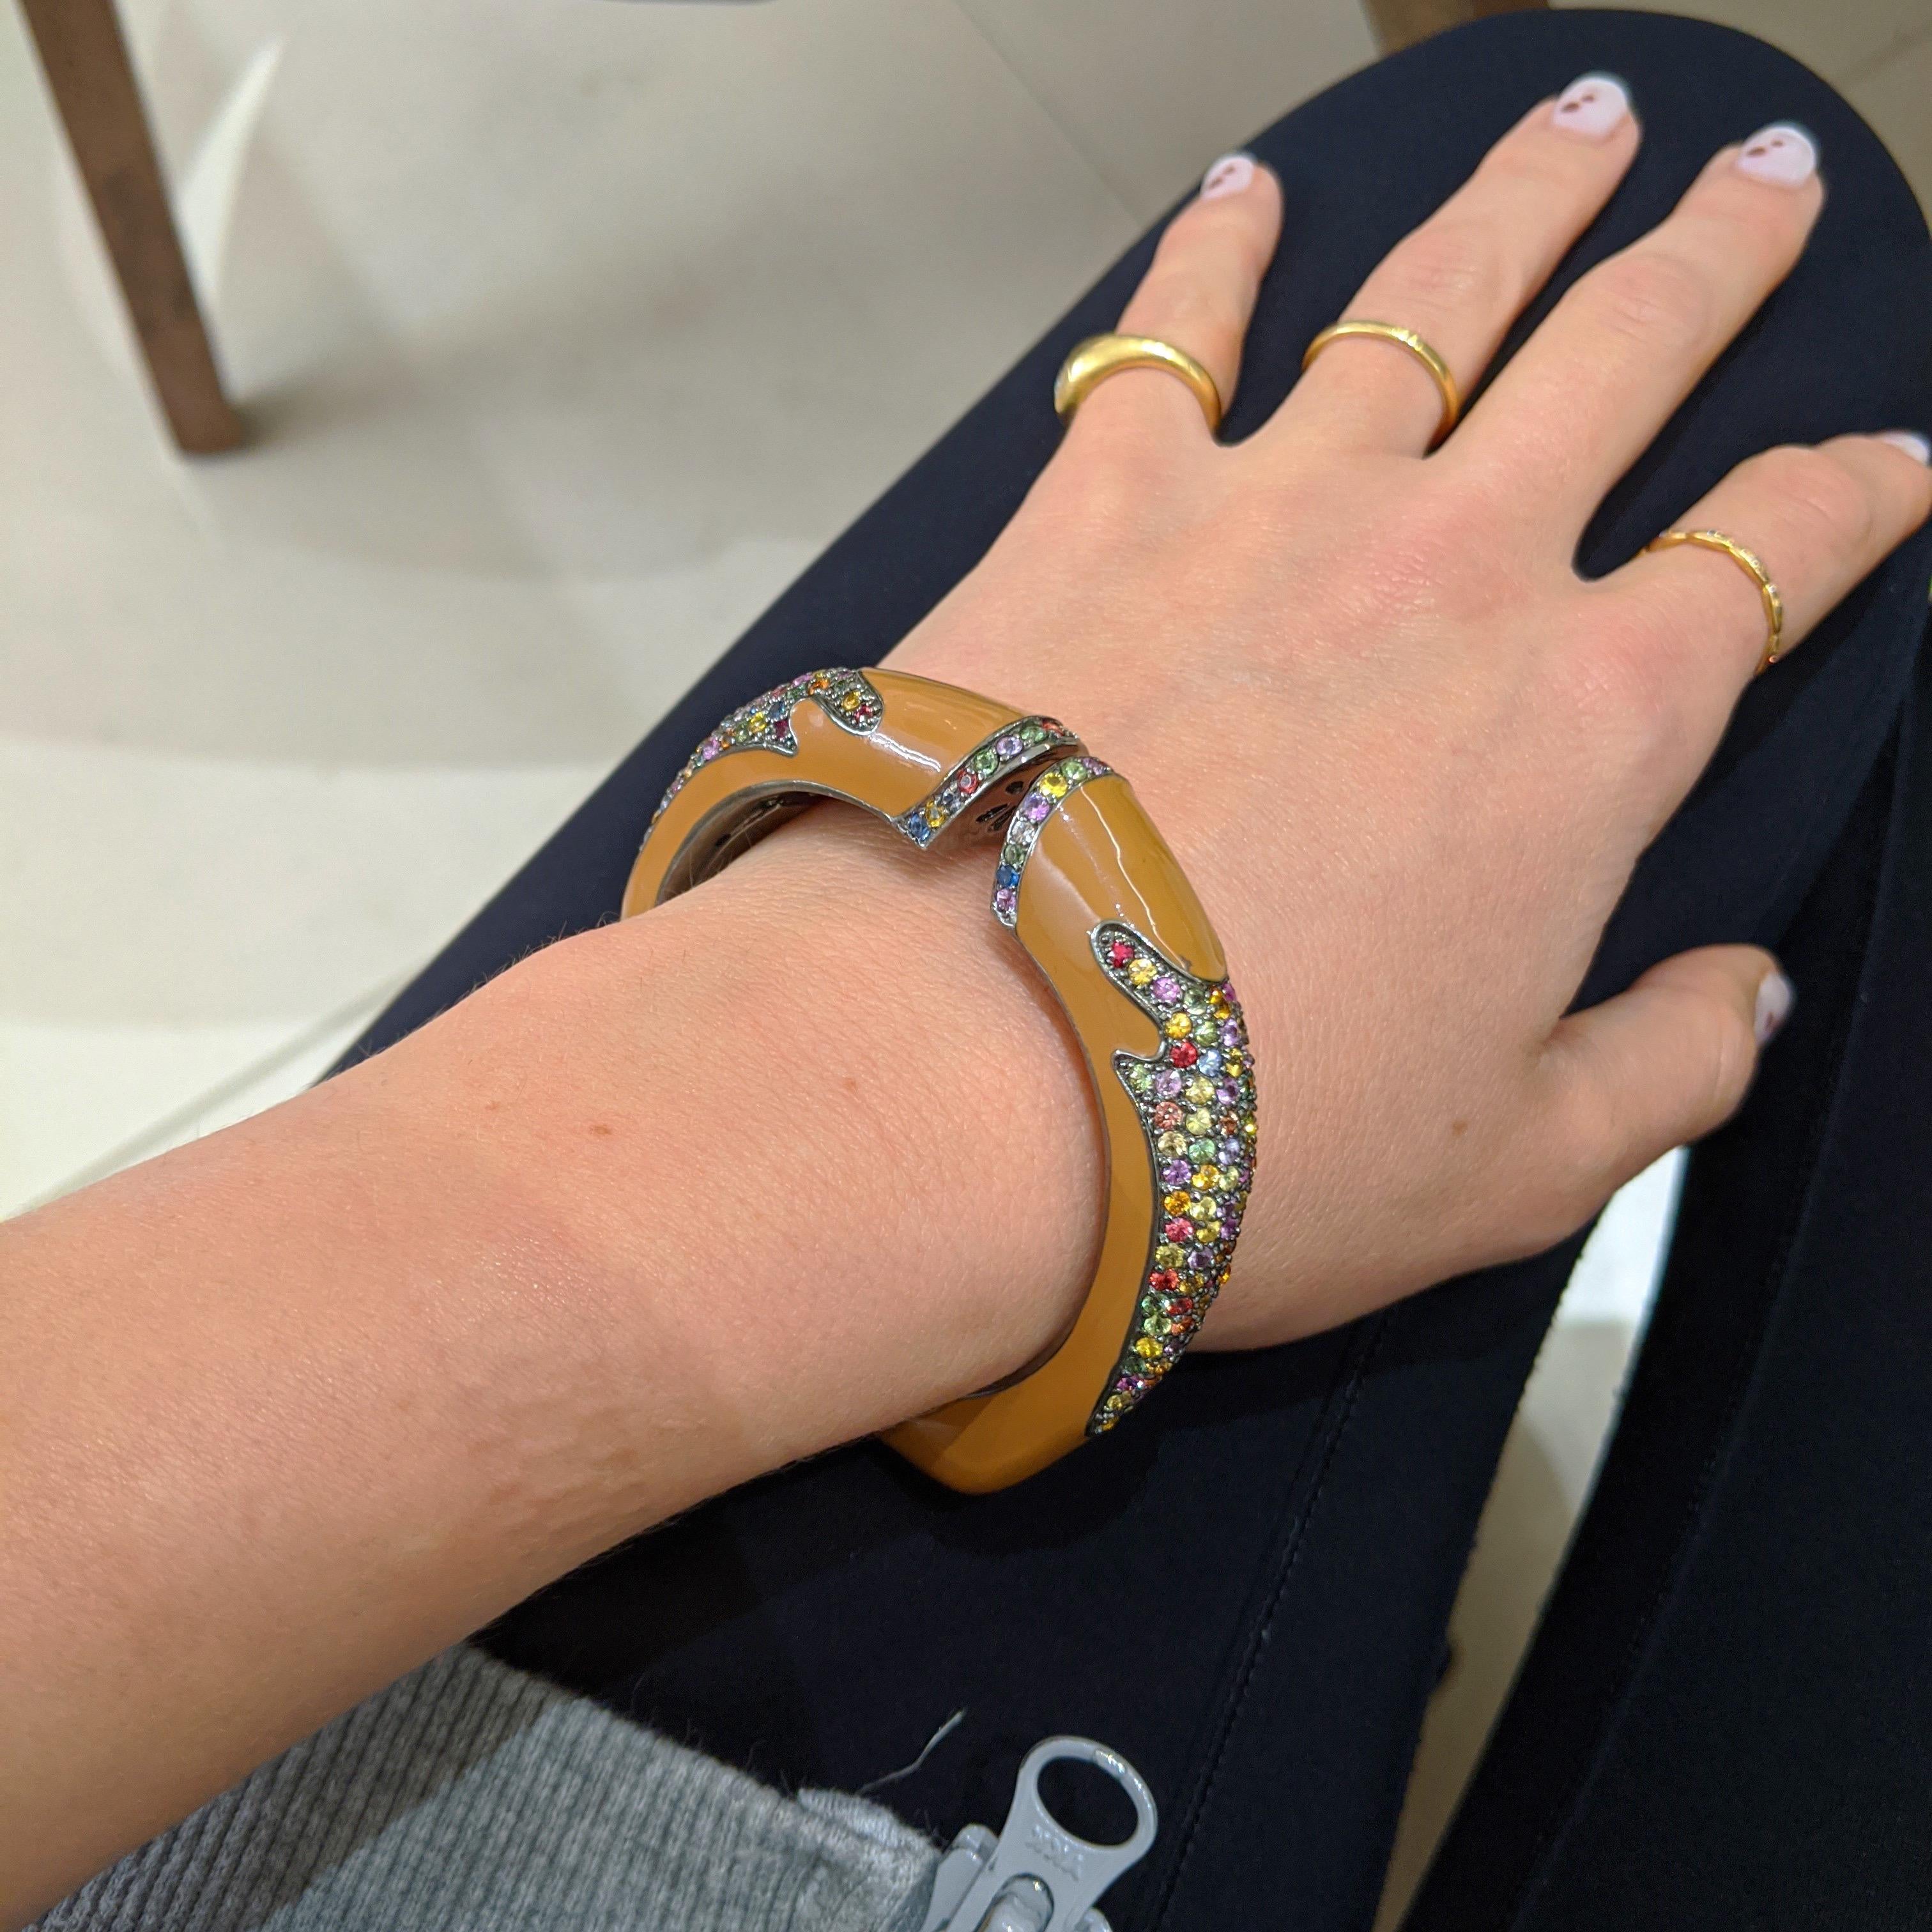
x=1753, y=566
x=1099, y=356
x=1403, y=338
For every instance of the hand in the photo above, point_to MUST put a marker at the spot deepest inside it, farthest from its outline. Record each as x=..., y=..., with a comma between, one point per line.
x=1408, y=756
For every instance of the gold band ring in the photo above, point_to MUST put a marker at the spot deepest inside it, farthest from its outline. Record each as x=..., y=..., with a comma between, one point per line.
x=1403, y=338
x=1752, y=566
x=1099, y=356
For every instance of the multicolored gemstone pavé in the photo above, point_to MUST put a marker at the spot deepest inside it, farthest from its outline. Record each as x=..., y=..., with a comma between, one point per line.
x=846, y=697
x=1012, y=749
x=1043, y=797
x=1195, y=1098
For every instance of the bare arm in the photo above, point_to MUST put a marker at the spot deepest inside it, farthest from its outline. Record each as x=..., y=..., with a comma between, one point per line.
x=667, y=1206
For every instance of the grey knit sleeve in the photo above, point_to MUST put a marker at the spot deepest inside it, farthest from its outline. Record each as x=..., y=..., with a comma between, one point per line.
x=470, y=1796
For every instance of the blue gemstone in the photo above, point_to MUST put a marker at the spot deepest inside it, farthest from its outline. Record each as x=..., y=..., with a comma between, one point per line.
x=1006, y=876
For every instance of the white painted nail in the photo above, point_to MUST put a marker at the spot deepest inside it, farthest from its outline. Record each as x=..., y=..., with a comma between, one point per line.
x=1592, y=106
x=1775, y=999
x=1782, y=154
x=1228, y=175
x=1914, y=444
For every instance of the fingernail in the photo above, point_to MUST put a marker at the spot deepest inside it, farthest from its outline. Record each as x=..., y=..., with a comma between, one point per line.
x=1776, y=996
x=1914, y=444
x=1228, y=175
x=1783, y=153
x=1590, y=106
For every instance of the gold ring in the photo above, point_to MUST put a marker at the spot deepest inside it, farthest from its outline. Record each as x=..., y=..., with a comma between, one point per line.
x=1752, y=566
x=1099, y=356
x=1403, y=338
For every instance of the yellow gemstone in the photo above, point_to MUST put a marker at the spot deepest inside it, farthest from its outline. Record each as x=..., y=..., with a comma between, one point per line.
x=1167, y=1255
x=1140, y=972
x=1208, y=1231
x=1178, y=1027
x=1199, y=1091
x=1217, y=1005
x=1199, y=1122
x=1171, y=1143
x=756, y=722
x=1178, y=1202
x=1207, y=1178
x=1054, y=785
x=1146, y=1348
x=935, y=814
x=1248, y=1126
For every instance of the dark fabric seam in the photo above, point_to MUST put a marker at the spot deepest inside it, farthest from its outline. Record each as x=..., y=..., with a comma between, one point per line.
x=1775, y=1280
x=1341, y=1403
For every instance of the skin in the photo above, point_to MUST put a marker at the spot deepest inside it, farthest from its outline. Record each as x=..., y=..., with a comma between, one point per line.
x=287, y=1411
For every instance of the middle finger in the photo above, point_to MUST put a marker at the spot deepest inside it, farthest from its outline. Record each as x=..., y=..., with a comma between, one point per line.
x=1462, y=278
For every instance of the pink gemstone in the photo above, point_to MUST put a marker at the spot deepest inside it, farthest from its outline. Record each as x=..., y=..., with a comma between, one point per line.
x=1037, y=807
x=1120, y=953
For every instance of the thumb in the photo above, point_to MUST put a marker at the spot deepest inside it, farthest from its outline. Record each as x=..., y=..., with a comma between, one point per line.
x=1665, y=1063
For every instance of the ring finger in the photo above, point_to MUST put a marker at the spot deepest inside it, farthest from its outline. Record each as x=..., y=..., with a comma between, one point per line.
x=1586, y=394
x=1817, y=518
x=1464, y=276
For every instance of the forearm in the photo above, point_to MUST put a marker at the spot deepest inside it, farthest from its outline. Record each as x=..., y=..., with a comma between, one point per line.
x=667, y=1206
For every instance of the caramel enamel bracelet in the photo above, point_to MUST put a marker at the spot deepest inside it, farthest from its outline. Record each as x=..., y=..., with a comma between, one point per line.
x=1089, y=888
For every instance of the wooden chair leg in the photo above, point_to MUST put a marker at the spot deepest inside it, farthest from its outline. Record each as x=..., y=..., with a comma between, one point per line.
x=85, y=58
x=1400, y=23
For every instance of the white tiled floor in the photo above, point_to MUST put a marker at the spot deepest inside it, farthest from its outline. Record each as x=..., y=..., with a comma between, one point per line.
x=571, y=330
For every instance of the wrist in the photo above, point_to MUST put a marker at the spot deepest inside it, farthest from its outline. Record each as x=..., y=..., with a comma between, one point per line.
x=903, y=1167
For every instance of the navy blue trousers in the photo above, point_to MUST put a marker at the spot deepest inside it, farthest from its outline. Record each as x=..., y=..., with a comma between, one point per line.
x=1726, y=1717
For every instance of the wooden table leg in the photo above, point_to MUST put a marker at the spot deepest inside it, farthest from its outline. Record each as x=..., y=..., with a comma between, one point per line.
x=1400, y=23
x=85, y=58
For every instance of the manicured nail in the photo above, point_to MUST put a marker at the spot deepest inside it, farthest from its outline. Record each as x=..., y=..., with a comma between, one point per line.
x=1776, y=997
x=1228, y=175
x=1914, y=444
x=1591, y=107
x=1782, y=154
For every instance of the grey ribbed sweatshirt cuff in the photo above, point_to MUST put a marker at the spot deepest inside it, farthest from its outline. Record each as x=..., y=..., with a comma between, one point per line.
x=470, y=1796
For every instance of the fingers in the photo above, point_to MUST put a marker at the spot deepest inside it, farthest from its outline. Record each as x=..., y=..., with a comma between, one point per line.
x=1665, y=1063
x=1198, y=294
x=1689, y=623
x=1583, y=398
x=1463, y=277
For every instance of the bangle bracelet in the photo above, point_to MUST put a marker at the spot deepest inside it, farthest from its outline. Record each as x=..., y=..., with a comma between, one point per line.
x=1086, y=885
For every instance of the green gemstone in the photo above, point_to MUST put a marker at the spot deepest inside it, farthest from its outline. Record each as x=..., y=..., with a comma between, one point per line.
x=987, y=762
x=1200, y=1150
